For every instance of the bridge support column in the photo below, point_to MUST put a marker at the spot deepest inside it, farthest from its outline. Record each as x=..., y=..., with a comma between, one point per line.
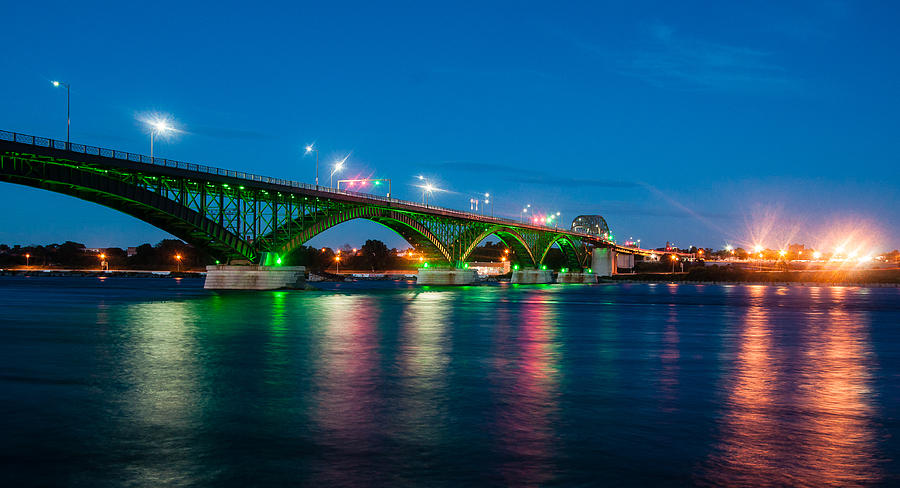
x=254, y=277
x=445, y=276
x=571, y=277
x=624, y=260
x=603, y=261
x=531, y=276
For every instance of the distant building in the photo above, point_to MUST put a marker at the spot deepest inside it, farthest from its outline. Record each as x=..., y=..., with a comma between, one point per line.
x=591, y=224
x=490, y=269
x=131, y=251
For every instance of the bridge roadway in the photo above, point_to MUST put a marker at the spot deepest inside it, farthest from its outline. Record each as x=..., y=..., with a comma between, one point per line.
x=235, y=215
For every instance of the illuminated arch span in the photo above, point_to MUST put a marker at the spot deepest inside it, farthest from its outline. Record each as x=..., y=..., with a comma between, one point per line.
x=153, y=208
x=510, y=238
x=570, y=251
x=402, y=223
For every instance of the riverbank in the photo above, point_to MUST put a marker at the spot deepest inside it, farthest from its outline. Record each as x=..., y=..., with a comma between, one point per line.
x=101, y=273
x=864, y=277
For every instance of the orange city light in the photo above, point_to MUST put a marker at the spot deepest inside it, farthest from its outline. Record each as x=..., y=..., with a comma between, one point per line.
x=103, y=256
x=178, y=257
x=673, y=257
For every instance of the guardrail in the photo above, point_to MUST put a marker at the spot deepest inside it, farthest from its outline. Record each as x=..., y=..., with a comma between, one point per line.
x=212, y=170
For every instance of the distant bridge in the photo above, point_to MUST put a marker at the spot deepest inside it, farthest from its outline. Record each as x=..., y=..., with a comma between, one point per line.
x=234, y=215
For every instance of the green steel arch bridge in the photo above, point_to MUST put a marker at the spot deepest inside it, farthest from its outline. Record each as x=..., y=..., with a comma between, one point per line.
x=237, y=216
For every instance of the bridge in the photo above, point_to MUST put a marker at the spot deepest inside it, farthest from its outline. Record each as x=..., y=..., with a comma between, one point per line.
x=241, y=217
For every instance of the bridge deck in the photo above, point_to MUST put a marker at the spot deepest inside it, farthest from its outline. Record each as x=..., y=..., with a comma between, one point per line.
x=13, y=142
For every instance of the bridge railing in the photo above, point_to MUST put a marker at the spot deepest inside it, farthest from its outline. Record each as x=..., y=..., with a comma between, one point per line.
x=199, y=168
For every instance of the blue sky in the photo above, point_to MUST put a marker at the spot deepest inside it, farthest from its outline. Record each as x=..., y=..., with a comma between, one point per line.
x=696, y=123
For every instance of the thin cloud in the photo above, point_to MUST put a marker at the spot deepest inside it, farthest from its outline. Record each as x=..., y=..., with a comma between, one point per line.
x=673, y=61
x=532, y=177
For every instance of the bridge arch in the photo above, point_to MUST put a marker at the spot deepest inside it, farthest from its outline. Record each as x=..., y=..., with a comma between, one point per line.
x=155, y=209
x=402, y=223
x=572, y=253
x=512, y=239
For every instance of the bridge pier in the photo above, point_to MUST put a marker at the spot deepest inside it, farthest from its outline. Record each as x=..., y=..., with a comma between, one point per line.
x=254, y=277
x=531, y=276
x=572, y=277
x=603, y=261
x=446, y=276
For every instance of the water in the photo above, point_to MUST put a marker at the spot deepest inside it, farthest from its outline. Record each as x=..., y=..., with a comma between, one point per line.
x=156, y=382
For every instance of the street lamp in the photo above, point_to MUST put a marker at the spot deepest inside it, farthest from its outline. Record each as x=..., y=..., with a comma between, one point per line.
x=523, y=212
x=178, y=260
x=337, y=261
x=487, y=200
x=427, y=190
x=338, y=165
x=68, y=118
x=158, y=127
x=103, y=263
x=673, y=258
x=310, y=149
x=27, y=259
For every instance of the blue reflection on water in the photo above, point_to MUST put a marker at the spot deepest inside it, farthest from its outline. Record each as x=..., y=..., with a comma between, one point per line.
x=157, y=382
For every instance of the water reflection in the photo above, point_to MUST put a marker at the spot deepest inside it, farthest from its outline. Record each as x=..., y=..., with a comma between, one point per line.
x=346, y=389
x=670, y=356
x=423, y=358
x=837, y=400
x=527, y=372
x=799, y=418
x=164, y=399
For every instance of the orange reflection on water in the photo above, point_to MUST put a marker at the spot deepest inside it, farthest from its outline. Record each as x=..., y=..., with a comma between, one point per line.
x=749, y=450
x=836, y=399
x=799, y=419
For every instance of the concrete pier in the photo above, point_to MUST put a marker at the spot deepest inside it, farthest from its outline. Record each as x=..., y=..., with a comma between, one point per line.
x=604, y=261
x=531, y=276
x=571, y=277
x=254, y=277
x=446, y=276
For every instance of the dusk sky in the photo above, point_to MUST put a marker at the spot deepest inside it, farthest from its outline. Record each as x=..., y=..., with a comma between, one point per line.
x=696, y=123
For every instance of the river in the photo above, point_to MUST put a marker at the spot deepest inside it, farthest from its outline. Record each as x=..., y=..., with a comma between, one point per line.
x=157, y=382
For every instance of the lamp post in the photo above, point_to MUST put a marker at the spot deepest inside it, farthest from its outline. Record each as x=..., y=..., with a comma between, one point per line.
x=310, y=149
x=427, y=188
x=68, y=118
x=158, y=127
x=488, y=200
x=523, y=212
x=337, y=262
x=178, y=260
x=104, y=266
x=673, y=258
x=27, y=259
x=337, y=167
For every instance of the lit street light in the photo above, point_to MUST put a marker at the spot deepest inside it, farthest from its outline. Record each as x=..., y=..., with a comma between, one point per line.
x=310, y=149
x=338, y=165
x=178, y=260
x=68, y=118
x=337, y=262
x=523, y=212
x=158, y=127
x=104, y=265
x=27, y=259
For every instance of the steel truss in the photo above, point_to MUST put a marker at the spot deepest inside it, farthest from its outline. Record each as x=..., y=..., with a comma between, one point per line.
x=235, y=219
